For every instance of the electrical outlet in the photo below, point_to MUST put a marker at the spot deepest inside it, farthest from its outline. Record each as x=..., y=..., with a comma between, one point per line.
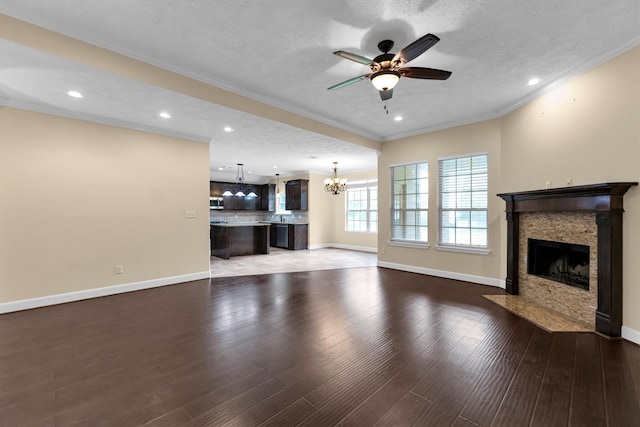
x=547, y=184
x=569, y=181
x=189, y=214
x=119, y=269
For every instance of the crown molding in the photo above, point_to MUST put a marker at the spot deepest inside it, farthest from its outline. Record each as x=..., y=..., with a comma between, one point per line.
x=219, y=83
x=562, y=80
x=56, y=111
x=571, y=75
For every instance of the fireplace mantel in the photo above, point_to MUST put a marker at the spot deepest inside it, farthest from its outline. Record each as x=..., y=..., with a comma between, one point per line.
x=606, y=201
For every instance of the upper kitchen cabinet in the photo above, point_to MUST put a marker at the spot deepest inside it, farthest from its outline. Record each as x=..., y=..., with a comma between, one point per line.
x=267, y=197
x=297, y=195
x=251, y=203
x=233, y=203
x=215, y=189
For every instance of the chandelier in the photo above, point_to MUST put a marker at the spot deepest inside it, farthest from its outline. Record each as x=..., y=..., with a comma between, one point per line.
x=335, y=185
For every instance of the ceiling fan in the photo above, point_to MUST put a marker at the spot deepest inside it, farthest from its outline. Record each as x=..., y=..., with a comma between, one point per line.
x=386, y=69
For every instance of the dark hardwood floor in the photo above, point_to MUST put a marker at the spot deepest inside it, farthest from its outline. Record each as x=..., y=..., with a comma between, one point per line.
x=351, y=347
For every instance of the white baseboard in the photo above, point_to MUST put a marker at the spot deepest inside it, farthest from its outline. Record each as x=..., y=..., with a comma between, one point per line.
x=446, y=274
x=320, y=246
x=631, y=335
x=26, y=304
x=347, y=247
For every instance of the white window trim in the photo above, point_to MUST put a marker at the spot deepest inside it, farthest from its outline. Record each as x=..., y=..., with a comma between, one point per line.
x=402, y=242
x=462, y=248
x=355, y=186
x=462, y=156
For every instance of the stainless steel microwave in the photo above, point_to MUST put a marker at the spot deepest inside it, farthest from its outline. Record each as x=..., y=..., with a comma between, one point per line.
x=216, y=203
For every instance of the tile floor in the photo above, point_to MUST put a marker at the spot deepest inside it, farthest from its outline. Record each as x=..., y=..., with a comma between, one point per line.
x=284, y=261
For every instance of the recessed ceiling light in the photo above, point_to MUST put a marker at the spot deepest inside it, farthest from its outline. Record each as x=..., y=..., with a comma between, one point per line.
x=228, y=129
x=398, y=118
x=275, y=167
x=534, y=81
x=165, y=115
x=74, y=94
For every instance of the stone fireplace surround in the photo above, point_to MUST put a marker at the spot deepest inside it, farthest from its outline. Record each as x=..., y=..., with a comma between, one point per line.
x=567, y=227
x=537, y=214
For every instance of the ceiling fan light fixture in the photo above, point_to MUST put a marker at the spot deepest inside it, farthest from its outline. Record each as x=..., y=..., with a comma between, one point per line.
x=385, y=80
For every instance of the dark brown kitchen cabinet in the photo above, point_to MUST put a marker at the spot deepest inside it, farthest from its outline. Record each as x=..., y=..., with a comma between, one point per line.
x=267, y=197
x=215, y=189
x=298, y=236
x=233, y=203
x=251, y=203
x=297, y=195
x=289, y=236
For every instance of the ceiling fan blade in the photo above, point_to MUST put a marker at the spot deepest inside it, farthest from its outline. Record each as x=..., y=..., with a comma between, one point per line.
x=424, y=73
x=386, y=94
x=416, y=48
x=349, y=82
x=354, y=57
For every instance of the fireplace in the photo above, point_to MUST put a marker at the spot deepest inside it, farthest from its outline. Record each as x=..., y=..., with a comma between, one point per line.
x=597, y=210
x=561, y=262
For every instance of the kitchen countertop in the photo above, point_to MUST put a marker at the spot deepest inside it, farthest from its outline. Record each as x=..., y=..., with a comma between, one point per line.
x=241, y=224
x=255, y=223
x=286, y=222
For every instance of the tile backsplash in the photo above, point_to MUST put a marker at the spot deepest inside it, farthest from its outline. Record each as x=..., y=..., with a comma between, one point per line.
x=254, y=216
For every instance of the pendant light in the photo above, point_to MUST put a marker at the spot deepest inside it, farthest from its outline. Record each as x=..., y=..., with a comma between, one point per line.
x=240, y=184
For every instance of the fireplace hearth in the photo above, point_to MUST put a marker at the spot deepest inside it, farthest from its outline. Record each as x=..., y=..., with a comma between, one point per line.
x=561, y=262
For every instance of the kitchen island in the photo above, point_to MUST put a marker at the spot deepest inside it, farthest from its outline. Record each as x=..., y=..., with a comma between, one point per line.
x=233, y=239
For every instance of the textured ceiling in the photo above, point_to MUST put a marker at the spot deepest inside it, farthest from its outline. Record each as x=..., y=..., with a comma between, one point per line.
x=280, y=52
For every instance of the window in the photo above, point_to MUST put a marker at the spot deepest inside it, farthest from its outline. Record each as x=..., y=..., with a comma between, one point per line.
x=409, y=203
x=462, y=202
x=362, y=208
x=281, y=199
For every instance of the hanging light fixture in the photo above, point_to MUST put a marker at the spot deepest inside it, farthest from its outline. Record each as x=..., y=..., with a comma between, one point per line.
x=240, y=184
x=277, y=183
x=240, y=181
x=334, y=184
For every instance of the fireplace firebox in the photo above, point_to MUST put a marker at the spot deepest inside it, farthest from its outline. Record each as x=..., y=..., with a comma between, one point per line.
x=561, y=262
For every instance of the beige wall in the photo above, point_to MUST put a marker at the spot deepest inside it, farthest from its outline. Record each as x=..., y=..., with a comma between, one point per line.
x=326, y=213
x=365, y=241
x=474, y=138
x=78, y=198
x=319, y=214
x=587, y=130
